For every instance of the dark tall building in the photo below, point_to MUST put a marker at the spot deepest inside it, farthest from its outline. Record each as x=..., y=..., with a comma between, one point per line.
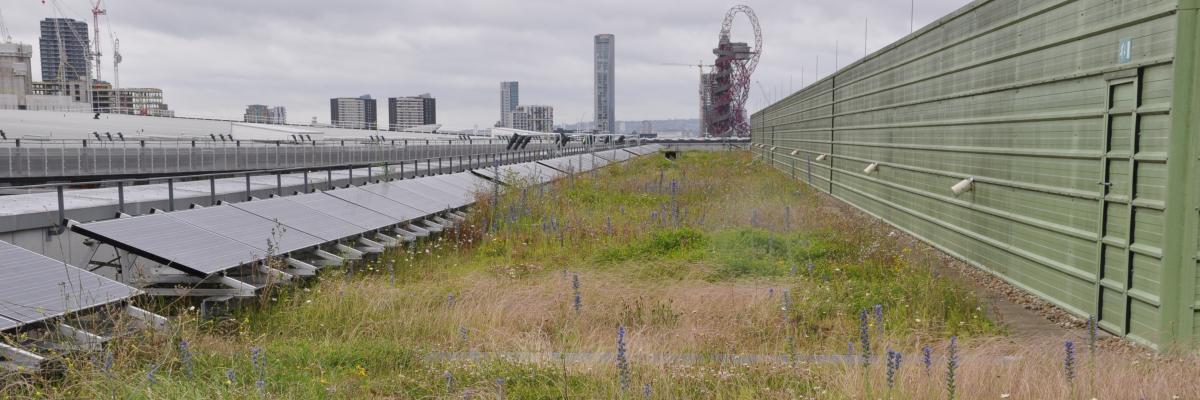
x=353, y=112
x=64, y=49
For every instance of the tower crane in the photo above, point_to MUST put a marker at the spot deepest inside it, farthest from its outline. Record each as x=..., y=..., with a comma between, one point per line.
x=97, y=11
x=4, y=30
x=705, y=92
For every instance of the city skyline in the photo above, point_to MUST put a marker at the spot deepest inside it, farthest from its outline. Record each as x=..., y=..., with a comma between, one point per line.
x=268, y=58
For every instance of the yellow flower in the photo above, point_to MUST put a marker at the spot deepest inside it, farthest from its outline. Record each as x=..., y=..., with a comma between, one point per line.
x=361, y=371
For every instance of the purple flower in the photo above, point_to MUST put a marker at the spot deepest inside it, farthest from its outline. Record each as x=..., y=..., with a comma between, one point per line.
x=578, y=304
x=879, y=317
x=893, y=364
x=864, y=337
x=1069, y=360
x=951, y=365
x=927, y=358
x=622, y=360
x=185, y=355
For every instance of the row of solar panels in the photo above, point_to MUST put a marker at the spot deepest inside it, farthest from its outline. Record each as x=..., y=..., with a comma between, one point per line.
x=206, y=241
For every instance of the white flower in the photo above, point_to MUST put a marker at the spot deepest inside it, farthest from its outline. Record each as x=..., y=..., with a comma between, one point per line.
x=192, y=308
x=1005, y=395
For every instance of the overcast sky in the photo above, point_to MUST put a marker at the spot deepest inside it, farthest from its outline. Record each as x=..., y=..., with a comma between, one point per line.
x=214, y=57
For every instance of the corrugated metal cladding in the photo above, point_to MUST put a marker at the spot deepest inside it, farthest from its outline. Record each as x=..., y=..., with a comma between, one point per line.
x=1064, y=113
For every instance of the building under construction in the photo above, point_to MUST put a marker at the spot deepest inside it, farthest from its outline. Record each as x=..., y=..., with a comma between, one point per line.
x=1053, y=143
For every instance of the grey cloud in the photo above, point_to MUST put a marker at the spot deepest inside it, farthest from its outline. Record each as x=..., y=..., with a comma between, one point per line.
x=214, y=57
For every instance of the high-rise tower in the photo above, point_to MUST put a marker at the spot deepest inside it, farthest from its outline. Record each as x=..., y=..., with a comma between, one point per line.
x=509, y=100
x=606, y=83
x=64, y=50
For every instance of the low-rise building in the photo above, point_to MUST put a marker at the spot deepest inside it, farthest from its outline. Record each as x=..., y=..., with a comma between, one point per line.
x=264, y=114
x=132, y=101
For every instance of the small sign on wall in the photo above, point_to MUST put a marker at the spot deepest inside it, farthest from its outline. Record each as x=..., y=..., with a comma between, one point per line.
x=1125, y=54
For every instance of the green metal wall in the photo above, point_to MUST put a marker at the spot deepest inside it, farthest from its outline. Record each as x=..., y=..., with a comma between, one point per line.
x=1064, y=113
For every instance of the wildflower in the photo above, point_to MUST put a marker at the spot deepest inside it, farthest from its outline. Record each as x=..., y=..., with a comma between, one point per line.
x=462, y=333
x=810, y=268
x=1092, y=334
x=951, y=365
x=647, y=391
x=770, y=293
x=185, y=356
x=150, y=373
x=449, y=381
x=578, y=303
x=450, y=300
x=864, y=336
x=500, y=388
x=879, y=317
x=893, y=364
x=1069, y=360
x=622, y=360
x=927, y=358
x=358, y=369
x=230, y=376
x=259, y=362
x=787, y=300
x=108, y=362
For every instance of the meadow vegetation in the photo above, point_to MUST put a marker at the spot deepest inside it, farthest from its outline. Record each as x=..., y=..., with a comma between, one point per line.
x=706, y=277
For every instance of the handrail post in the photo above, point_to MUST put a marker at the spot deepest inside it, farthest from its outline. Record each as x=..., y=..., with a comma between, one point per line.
x=170, y=194
x=121, y=197
x=62, y=210
x=212, y=190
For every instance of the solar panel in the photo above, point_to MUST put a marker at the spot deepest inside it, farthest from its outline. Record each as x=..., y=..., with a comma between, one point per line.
x=301, y=217
x=488, y=173
x=377, y=203
x=172, y=242
x=36, y=287
x=344, y=210
x=251, y=229
x=605, y=155
x=445, y=195
x=467, y=181
x=6, y=324
x=560, y=164
x=465, y=188
x=475, y=181
x=401, y=192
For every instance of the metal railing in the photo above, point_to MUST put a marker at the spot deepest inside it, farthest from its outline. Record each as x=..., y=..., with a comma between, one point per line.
x=24, y=159
x=387, y=170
